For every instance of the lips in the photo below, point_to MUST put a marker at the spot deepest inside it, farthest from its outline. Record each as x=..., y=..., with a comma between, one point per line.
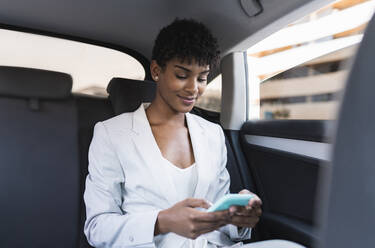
x=187, y=100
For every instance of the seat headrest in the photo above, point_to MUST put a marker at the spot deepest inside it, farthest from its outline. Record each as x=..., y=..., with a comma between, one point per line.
x=126, y=94
x=34, y=83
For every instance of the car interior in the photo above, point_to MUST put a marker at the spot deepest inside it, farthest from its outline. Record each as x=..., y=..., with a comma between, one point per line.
x=315, y=177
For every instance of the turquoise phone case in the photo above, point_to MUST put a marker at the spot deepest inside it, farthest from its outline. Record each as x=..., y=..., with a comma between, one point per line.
x=230, y=200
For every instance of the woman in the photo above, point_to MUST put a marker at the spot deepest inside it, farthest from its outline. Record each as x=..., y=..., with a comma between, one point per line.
x=151, y=170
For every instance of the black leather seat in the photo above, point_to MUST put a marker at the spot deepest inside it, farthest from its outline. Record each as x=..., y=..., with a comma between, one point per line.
x=126, y=94
x=39, y=172
x=90, y=110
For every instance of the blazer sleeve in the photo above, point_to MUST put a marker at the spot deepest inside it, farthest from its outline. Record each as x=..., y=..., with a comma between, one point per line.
x=235, y=233
x=106, y=224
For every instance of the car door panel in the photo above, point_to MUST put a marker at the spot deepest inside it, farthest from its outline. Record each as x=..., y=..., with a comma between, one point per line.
x=284, y=158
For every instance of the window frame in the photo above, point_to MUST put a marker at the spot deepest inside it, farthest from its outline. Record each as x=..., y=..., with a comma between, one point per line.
x=133, y=53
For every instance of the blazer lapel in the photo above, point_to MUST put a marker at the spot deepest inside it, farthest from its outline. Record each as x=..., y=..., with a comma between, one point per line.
x=150, y=153
x=202, y=157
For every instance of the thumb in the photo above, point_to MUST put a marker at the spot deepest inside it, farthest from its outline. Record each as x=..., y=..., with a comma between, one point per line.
x=196, y=203
x=244, y=191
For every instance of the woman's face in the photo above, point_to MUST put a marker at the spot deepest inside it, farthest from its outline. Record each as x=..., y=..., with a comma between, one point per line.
x=180, y=84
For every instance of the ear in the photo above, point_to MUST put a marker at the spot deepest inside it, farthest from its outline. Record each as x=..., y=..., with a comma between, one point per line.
x=155, y=70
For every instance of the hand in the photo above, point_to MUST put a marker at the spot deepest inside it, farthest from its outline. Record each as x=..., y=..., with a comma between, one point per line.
x=247, y=216
x=186, y=221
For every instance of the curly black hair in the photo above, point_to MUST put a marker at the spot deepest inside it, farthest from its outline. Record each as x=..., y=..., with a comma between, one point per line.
x=187, y=40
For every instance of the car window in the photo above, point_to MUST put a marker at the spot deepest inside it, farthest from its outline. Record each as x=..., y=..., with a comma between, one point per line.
x=92, y=67
x=211, y=98
x=300, y=71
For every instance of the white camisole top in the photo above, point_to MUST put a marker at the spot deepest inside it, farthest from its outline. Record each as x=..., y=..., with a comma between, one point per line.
x=185, y=180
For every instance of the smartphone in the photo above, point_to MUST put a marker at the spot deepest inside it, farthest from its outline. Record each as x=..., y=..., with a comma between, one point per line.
x=228, y=200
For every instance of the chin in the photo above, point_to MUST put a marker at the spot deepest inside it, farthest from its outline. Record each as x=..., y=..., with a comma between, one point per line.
x=184, y=109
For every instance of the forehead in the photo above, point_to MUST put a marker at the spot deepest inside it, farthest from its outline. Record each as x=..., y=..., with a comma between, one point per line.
x=192, y=65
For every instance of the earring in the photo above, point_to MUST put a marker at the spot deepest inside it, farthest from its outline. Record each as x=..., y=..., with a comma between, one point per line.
x=156, y=78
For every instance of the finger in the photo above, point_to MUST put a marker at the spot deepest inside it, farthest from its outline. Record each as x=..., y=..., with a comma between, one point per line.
x=244, y=221
x=243, y=211
x=196, y=203
x=203, y=227
x=213, y=216
x=258, y=212
x=237, y=210
x=244, y=191
x=254, y=199
x=255, y=202
x=233, y=210
x=210, y=228
x=213, y=228
x=248, y=211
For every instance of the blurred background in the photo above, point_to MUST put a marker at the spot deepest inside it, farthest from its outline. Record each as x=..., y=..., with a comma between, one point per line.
x=299, y=71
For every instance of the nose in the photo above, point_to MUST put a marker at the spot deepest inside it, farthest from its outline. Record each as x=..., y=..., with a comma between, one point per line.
x=192, y=86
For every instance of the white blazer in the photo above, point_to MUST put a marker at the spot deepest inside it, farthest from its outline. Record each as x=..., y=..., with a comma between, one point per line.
x=127, y=187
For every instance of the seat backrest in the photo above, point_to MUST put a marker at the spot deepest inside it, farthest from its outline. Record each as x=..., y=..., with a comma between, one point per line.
x=39, y=165
x=351, y=200
x=90, y=110
x=126, y=94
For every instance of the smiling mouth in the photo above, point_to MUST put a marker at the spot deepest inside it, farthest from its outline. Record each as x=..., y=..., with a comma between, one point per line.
x=187, y=100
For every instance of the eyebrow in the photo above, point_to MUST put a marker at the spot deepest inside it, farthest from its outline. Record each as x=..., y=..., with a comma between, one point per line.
x=186, y=69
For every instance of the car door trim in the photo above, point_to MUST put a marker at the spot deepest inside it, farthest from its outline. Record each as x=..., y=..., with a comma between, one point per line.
x=312, y=149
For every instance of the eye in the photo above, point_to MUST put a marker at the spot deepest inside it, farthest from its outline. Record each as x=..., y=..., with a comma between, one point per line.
x=202, y=80
x=181, y=76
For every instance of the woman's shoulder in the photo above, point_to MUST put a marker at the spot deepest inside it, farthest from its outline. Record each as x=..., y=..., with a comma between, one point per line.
x=206, y=125
x=127, y=120
x=123, y=121
x=111, y=129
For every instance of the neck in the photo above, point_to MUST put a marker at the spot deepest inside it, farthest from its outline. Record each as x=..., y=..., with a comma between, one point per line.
x=159, y=113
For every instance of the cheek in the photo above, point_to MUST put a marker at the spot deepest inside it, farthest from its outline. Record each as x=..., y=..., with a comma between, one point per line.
x=166, y=86
x=171, y=84
x=201, y=89
x=175, y=86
